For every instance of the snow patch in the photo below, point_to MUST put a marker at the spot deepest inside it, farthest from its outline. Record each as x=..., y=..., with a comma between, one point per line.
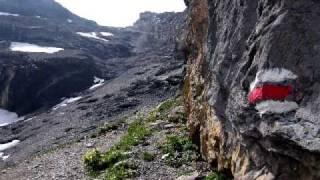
x=92, y=35
x=8, y=14
x=7, y=117
x=69, y=20
x=97, y=83
x=106, y=34
x=27, y=47
x=278, y=107
x=72, y=100
x=9, y=145
x=274, y=75
x=65, y=102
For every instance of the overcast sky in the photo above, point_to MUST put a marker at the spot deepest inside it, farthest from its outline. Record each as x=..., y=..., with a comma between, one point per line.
x=119, y=13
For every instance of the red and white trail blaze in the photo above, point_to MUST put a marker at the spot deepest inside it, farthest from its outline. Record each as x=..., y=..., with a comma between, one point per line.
x=270, y=90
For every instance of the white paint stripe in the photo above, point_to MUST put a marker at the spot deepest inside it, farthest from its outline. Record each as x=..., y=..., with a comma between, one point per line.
x=275, y=75
x=277, y=107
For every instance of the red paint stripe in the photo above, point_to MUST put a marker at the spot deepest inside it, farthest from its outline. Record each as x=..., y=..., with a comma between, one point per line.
x=269, y=92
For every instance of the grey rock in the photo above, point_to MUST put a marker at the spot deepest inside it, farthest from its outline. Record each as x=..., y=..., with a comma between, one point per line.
x=229, y=43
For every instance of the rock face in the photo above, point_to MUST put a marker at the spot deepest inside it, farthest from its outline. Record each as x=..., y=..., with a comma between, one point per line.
x=28, y=84
x=237, y=49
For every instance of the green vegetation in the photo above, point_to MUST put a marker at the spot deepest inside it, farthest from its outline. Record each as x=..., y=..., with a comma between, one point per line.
x=179, y=150
x=113, y=164
x=96, y=161
x=146, y=156
x=162, y=110
x=166, y=105
x=215, y=176
x=108, y=127
x=122, y=170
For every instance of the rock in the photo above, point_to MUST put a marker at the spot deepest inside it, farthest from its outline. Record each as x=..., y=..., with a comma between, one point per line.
x=233, y=46
x=165, y=156
x=193, y=176
x=89, y=145
x=170, y=126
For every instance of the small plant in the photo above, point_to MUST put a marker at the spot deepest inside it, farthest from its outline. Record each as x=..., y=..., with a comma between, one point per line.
x=146, y=156
x=215, y=176
x=93, y=160
x=137, y=132
x=180, y=150
x=120, y=171
x=166, y=105
x=153, y=116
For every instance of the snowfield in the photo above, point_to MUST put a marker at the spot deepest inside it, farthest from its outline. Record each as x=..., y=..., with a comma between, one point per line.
x=97, y=83
x=6, y=146
x=9, y=145
x=8, y=14
x=65, y=102
x=106, y=34
x=92, y=35
x=27, y=47
x=7, y=117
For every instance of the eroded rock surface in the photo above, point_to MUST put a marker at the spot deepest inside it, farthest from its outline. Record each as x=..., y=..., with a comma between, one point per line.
x=229, y=44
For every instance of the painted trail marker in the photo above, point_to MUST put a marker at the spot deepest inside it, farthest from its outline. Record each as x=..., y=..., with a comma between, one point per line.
x=270, y=90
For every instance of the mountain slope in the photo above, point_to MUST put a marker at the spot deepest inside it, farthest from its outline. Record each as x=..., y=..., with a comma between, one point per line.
x=53, y=90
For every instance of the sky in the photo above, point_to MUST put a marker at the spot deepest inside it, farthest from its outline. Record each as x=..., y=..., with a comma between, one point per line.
x=119, y=13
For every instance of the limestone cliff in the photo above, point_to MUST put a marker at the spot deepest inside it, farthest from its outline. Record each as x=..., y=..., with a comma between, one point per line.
x=267, y=50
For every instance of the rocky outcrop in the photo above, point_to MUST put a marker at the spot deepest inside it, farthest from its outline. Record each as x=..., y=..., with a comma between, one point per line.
x=267, y=50
x=159, y=31
x=28, y=84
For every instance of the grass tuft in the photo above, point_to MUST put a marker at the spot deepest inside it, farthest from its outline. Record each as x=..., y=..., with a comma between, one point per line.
x=180, y=150
x=215, y=176
x=96, y=161
x=122, y=170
